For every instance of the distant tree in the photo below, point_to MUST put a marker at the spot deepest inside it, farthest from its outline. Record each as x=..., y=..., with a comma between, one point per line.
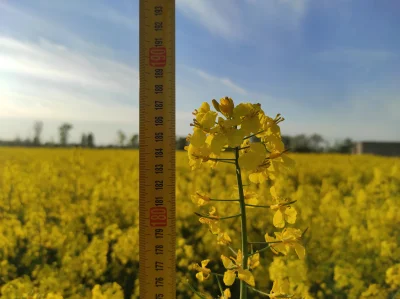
x=37, y=128
x=90, y=140
x=345, y=146
x=134, y=141
x=301, y=143
x=315, y=142
x=181, y=143
x=121, y=138
x=16, y=141
x=27, y=142
x=287, y=141
x=64, y=133
x=84, y=140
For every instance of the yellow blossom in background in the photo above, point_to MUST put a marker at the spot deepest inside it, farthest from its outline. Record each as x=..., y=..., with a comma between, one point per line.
x=203, y=272
x=74, y=204
x=227, y=293
x=284, y=212
x=200, y=200
x=250, y=198
x=223, y=239
x=254, y=261
x=212, y=220
x=280, y=289
x=289, y=237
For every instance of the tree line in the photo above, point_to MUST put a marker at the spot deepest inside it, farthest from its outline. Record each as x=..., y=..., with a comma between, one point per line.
x=301, y=143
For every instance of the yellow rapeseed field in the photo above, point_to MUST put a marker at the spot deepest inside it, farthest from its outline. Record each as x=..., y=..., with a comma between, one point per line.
x=69, y=225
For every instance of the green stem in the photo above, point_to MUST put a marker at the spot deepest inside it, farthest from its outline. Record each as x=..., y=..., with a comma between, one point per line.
x=222, y=159
x=261, y=250
x=213, y=199
x=247, y=137
x=260, y=292
x=243, y=285
x=283, y=204
x=257, y=206
x=220, y=287
x=214, y=218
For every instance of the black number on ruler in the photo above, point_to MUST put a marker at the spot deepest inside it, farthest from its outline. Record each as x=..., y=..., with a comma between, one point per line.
x=159, y=168
x=158, y=136
x=158, y=152
x=158, y=26
x=159, y=282
x=158, y=105
x=159, y=233
x=159, y=201
x=158, y=120
x=158, y=42
x=159, y=249
x=158, y=185
x=158, y=10
x=158, y=73
x=159, y=296
x=159, y=266
x=158, y=89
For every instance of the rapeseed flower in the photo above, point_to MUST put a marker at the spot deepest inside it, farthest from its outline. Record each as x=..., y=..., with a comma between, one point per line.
x=284, y=212
x=212, y=220
x=200, y=199
x=234, y=266
x=280, y=289
x=288, y=238
x=203, y=272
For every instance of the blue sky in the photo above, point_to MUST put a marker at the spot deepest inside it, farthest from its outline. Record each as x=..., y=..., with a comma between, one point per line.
x=329, y=67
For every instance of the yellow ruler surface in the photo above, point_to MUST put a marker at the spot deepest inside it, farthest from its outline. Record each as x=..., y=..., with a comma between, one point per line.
x=157, y=272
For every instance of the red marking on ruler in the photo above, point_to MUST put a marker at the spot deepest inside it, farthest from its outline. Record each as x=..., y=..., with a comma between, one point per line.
x=158, y=56
x=158, y=216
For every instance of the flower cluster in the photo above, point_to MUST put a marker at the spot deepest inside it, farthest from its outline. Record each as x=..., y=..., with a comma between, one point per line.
x=256, y=142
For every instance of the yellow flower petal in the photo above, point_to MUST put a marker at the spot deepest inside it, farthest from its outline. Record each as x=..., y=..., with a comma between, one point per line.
x=217, y=143
x=229, y=277
x=246, y=276
x=198, y=138
x=290, y=215
x=227, y=293
x=251, y=125
x=254, y=157
x=200, y=276
x=204, y=263
x=228, y=263
x=300, y=250
x=254, y=261
x=235, y=137
x=278, y=219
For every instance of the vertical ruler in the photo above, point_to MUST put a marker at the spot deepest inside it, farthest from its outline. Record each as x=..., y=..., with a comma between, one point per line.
x=157, y=273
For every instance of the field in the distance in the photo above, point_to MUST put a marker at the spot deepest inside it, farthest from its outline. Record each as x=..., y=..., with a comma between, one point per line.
x=69, y=224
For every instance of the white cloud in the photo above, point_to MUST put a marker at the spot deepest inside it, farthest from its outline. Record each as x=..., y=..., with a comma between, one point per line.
x=245, y=21
x=56, y=63
x=223, y=80
x=219, y=17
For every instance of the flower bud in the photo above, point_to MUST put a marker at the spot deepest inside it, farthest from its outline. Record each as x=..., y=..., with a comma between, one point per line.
x=216, y=105
x=226, y=106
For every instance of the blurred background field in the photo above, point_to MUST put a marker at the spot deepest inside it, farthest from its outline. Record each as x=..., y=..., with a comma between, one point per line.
x=69, y=224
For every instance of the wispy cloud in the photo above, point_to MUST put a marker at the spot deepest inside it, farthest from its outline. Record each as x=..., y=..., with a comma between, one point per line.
x=223, y=80
x=221, y=18
x=56, y=63
x=234, y=21
x=52, y=81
